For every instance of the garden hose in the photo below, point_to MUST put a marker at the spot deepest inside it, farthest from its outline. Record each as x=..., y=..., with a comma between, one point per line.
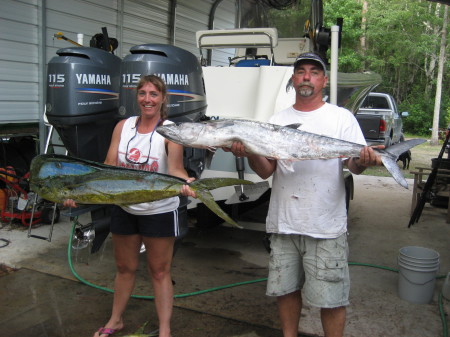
x=78, y=277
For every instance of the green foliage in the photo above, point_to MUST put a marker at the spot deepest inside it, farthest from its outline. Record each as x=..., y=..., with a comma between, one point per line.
x=392, y=44
x=350, y=11
x=447, y=116
x=420, y=119
x=402, y=45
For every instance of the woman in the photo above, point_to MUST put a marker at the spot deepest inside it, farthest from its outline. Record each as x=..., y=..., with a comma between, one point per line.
x=135, y=144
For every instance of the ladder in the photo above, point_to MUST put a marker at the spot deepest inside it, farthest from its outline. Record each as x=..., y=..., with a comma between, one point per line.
x=50, y=145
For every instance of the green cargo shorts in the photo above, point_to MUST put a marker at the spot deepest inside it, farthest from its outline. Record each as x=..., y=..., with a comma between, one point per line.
x=317, y=266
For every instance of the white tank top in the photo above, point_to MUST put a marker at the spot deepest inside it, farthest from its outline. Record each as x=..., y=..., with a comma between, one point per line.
x=146, y=152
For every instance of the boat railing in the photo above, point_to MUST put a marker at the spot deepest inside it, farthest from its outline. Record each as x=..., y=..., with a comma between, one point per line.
x=246, y=38
x=254, y=47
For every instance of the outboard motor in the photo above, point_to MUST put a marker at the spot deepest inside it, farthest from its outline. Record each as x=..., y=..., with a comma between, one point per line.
x=82, y=105
x=83, y=99
x=183, y=76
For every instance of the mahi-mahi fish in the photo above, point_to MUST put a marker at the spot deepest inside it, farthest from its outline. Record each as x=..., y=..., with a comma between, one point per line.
x=286, y=143
x=57, y=178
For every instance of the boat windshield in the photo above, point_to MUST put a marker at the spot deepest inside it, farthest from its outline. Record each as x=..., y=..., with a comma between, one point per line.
x=289, y=17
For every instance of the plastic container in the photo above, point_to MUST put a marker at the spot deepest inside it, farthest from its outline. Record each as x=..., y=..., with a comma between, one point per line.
x=418, y=267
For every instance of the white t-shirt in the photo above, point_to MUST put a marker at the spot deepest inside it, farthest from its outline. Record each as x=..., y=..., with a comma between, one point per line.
x=138, y=151
x=311, y=199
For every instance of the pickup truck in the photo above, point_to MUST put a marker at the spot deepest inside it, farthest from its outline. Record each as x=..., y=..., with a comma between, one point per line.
x=380, y=120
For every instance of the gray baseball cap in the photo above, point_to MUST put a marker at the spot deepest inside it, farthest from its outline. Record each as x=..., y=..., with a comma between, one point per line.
x=311, y=57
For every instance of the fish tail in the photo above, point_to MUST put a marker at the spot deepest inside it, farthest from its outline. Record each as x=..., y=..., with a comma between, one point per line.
x=207, y=198
x=399, y=148
x=202, y=188
x=390, y=163
x=209, y=157
x=390, y=155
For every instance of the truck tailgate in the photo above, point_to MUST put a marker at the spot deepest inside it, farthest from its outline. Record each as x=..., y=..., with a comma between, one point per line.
x=370, y=125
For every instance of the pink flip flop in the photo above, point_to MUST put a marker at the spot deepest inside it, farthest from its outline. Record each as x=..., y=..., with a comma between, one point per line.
x=106, y=331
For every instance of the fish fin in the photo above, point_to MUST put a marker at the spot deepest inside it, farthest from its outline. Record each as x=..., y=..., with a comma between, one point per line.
x=390, y=155
x=293, y=126
x=213, y=183
x=142, y=328
x=287, y=164
x=397, y=149
x=207, y=198
x=224, y=123
x=289, y=85
x=202, y=187
x=209, y=155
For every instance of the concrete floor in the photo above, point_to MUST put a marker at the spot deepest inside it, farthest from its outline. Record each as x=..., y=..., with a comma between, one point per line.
x=219, y=277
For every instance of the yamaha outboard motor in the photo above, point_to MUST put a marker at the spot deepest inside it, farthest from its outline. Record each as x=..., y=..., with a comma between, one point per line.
x=82, y=105
x=83, y=99
x=183, y=76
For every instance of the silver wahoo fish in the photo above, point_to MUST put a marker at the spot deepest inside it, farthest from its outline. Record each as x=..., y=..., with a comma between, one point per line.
x=57, y=178
x=278, y=142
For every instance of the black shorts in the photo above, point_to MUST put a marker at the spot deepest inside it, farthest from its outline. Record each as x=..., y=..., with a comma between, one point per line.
x=156, y=225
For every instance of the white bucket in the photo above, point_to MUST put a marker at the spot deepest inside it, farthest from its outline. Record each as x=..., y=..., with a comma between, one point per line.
x=417, y=254
x=430, y=265
x=418, y=267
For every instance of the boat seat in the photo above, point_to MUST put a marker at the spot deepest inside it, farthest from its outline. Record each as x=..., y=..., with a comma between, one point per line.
x=253, y=63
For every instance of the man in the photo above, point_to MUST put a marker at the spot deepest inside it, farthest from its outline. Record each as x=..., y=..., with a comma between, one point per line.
x=307, y=215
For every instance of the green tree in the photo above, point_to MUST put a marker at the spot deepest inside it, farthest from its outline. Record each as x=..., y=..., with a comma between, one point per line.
x=401, y=44
x=350, y=60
